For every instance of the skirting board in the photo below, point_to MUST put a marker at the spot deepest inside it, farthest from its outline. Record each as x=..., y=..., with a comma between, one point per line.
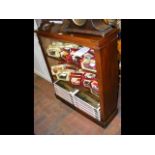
x=43, y=76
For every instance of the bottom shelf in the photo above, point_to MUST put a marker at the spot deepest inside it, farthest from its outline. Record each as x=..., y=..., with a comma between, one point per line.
x=101, y=122
x=81, y=99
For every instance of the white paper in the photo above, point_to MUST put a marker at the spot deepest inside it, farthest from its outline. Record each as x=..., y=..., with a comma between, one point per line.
x=81, y=51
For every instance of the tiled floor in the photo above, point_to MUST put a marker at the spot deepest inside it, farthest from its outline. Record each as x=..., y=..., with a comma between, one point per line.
x=55, y=118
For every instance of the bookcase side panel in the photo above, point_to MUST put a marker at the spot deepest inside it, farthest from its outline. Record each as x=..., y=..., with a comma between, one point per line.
x=110, y=77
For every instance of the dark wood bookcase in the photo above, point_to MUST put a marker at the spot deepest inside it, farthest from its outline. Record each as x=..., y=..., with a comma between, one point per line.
x=106, y=57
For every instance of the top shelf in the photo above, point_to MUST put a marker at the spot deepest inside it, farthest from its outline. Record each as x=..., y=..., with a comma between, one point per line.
x=92, y=41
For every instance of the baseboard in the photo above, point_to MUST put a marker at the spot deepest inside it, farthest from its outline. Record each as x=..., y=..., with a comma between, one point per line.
x=42, y=76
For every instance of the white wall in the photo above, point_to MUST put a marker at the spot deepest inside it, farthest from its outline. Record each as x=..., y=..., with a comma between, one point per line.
x=40, y=67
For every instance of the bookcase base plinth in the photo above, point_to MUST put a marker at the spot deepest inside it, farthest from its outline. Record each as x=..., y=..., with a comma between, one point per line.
x=110, y=118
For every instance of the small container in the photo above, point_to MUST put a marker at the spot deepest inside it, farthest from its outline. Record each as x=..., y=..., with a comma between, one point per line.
x=94, y=88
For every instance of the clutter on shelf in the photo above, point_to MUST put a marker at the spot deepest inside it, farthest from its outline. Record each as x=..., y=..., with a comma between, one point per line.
x=79, y=67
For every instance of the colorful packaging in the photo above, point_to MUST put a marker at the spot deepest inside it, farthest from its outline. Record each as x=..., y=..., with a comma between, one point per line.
x=76, y=78
x=53, y=51
x=88, y=64
x=57, y=68
x=64, y=54
x=86, y=83
x=64, y=75
x=94, y=88
x=88, y=75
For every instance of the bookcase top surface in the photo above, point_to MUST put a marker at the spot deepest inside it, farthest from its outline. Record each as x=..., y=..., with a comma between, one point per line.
x=83, y=39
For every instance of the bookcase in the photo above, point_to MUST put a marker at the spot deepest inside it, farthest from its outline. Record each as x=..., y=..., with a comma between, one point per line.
x=84, y=71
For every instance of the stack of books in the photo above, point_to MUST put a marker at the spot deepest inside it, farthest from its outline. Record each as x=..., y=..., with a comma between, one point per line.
x=88, y=103
x=65, y=90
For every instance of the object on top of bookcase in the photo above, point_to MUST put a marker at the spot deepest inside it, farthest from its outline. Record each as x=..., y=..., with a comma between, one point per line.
x=86, y=26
